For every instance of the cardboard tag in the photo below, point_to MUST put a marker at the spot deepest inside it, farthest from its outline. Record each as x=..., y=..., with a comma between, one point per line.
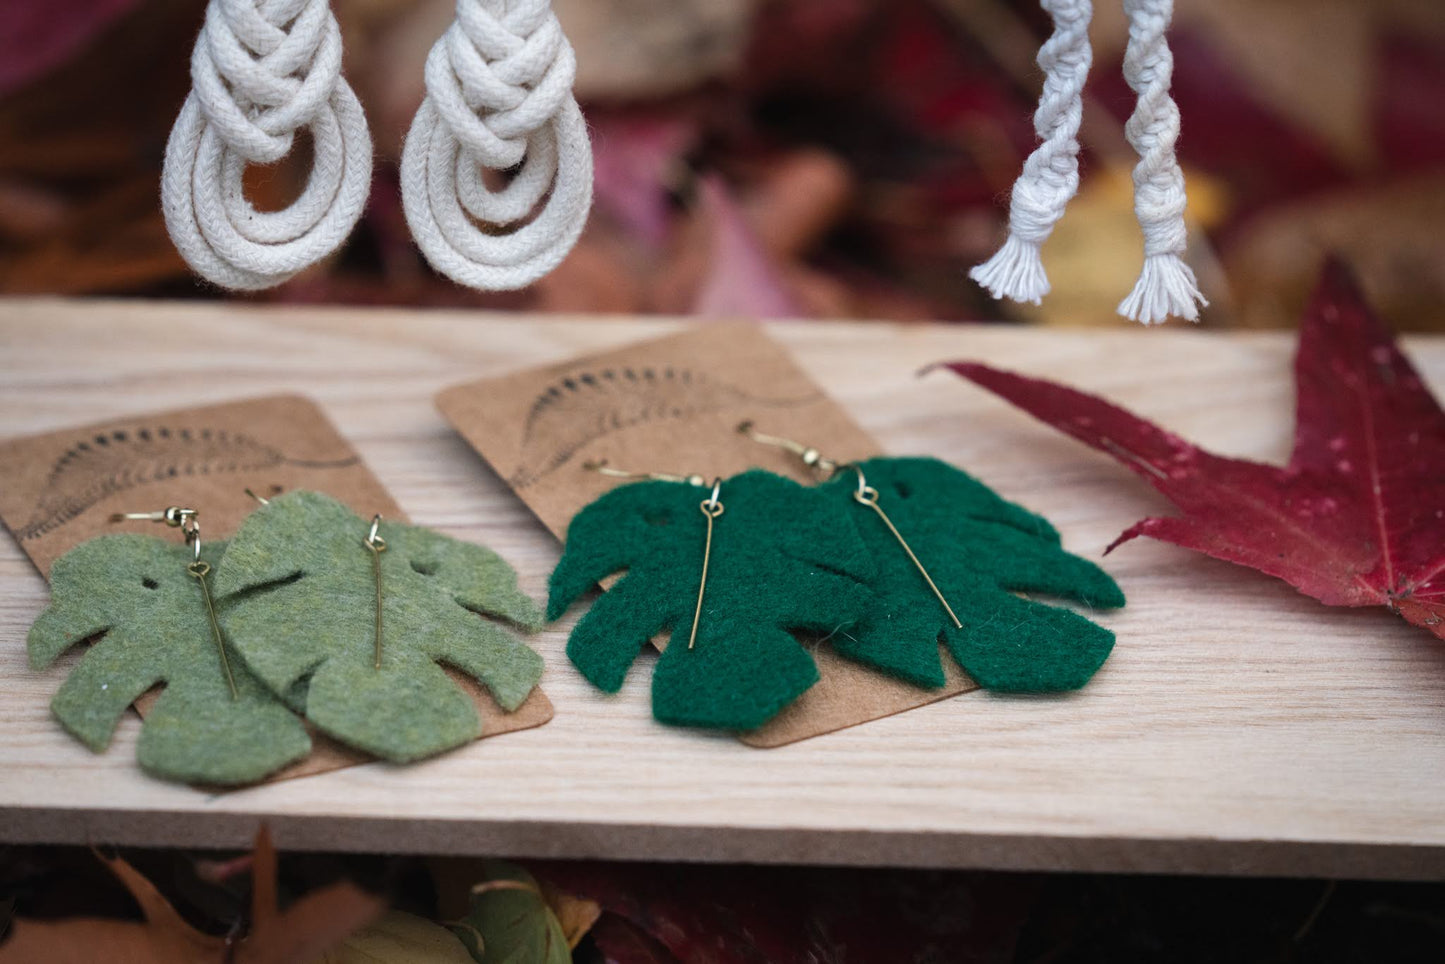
x=61, y=489
x=673, y=405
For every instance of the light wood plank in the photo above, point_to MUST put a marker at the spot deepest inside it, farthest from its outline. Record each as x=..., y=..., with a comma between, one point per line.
x=1238, y=728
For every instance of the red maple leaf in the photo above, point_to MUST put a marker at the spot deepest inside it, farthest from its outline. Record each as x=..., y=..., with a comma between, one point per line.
x=1357, y=517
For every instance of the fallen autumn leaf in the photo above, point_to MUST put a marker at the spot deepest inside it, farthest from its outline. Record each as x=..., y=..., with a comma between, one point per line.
x=1354, y=519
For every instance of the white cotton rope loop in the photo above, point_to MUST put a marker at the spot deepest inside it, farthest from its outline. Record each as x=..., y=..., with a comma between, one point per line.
x=1050, y=176
x=499, y=97
x=260, y=71
x=1166, y=286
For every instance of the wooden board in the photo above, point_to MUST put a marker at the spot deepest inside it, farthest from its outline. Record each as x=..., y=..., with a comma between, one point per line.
x=1238, y=728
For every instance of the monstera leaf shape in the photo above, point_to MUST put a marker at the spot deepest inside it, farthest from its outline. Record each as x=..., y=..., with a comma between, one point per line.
x=980, y=550
x=300, y=596
x=136, y=591
x=783, y=558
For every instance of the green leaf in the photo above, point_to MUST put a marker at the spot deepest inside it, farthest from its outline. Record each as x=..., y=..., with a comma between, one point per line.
x=301, y=606
x=783, y=558
x=980, y=550
x=400, y=938
x=136, y=590
x=510, y=921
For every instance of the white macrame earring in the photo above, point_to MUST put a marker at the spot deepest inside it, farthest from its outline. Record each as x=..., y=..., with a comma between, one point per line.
x=499, y=98
x=260, y=71
x=1050, y=176
x=1166, y=286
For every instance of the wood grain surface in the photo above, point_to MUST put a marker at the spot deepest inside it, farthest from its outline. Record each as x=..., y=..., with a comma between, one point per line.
x=1238, y=728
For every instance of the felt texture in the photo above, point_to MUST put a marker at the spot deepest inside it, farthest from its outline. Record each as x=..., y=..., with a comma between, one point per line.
x=980, y=550
x=136, y=591
x=784, y=558
x=300, y=607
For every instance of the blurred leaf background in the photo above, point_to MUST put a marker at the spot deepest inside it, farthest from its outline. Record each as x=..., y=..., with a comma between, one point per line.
x=805, y=158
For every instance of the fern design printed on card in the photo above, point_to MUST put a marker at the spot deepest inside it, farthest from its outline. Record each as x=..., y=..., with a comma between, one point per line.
x=106, y=462
x=582, y=407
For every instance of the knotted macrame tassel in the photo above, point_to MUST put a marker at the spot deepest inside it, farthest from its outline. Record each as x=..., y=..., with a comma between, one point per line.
x=1050, y=176
x=1166, y=286
x=499, y=95
x=260, y=71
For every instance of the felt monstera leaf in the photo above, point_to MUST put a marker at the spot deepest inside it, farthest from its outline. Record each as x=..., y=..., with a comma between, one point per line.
x=981, y=551
x=137, y=592
x=301, y=606
x=782, y=559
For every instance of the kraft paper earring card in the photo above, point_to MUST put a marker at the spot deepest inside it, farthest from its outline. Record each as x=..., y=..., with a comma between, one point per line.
x=673, y=405
x=61, y=489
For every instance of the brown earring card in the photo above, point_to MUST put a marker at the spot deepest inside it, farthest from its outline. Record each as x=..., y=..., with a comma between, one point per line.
x=61, y=489
x=673, y=405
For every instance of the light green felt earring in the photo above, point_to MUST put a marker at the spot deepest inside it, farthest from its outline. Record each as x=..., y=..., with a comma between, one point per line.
x=214, y=723
x=777, y=556
x=313, y=594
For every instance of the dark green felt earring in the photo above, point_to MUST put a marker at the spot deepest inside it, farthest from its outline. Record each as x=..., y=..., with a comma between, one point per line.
x=737, y=565
x=150, y=602
x=952, y=559
x=350, y=620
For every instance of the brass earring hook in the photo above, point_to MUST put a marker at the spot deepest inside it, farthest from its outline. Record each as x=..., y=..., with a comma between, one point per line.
x=601, y=467
x=188, y=522
x=865, y=495
x=173, y=516
x=811, y=457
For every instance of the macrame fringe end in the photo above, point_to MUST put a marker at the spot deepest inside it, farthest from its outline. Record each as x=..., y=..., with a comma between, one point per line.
x=1015, y=272
x=1166, y=289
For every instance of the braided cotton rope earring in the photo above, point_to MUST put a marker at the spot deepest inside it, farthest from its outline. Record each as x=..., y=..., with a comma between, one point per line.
x=499, y=95
x=1050, y=176
x=260, y=71
x=1166, y=285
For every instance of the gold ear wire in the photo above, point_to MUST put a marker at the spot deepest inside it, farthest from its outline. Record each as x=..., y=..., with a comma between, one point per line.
x=173, y=516
x=811, y=457
x=601, y=467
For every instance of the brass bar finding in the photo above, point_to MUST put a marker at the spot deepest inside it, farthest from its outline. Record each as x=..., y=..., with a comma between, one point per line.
x=200, y=570
x=377, y=545
x=867, y=495
x=711, y=509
